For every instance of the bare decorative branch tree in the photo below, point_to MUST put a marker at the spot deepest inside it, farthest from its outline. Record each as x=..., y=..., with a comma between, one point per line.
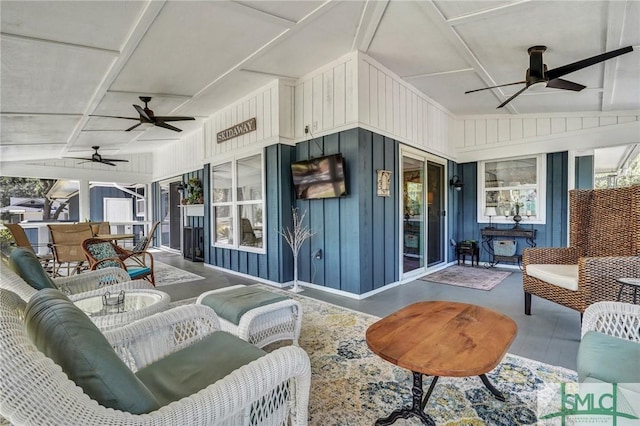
x=295, y=238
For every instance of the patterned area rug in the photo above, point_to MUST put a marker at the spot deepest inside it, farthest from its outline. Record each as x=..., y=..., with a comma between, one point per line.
x=352, y=386
x=167, y=274
x=478, y=278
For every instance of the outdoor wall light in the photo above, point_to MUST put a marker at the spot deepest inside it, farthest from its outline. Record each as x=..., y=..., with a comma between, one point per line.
x=456, y=183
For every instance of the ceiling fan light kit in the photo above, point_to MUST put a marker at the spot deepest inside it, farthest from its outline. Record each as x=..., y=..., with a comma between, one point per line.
x=146, y=115
x=537, y=74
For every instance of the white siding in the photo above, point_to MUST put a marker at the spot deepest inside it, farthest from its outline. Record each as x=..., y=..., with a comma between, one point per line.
x=392, y=107
x=326, y=99
x=179, y=157
x=505, y=136
x=270, y=105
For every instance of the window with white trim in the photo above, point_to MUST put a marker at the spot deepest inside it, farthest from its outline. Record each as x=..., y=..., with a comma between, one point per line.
x=509, y=187
x=237, y=194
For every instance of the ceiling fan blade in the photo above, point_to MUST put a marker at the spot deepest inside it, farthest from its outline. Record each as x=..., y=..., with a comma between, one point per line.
x=513, y=97
x=559, y=83
x=167, y=126
x=106, y=162
x=174, y=118
x=142, y=113
x=115, y=116
x=569, y=68
x=493, y=87
x=133, y=127
x=115, y=160
x=78, y=158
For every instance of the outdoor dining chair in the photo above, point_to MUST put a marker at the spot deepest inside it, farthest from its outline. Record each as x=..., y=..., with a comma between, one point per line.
x=66, y=244
x=21, y=240
x=104, y=254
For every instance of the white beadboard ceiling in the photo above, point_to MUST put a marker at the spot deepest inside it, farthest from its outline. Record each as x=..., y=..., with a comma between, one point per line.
x=63, y=61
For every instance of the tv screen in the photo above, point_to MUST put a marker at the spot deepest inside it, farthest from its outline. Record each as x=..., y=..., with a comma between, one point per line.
x=321, y=177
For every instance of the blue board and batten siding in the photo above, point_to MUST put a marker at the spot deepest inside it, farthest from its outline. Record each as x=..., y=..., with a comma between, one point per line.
x=276, y=264
x=357, y=233
x=465, y=224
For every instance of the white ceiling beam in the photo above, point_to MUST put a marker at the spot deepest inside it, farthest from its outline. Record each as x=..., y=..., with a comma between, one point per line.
x=372, y=13
x=155, y=95
x=140, y=28
x=289, y=32
x=434, y=74
x=615, y=26
x=481, y=14
x=260, y=14
x=464, y=50
x=59, y=43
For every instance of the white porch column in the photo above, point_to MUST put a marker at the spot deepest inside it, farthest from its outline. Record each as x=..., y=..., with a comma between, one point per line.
x=84, y=211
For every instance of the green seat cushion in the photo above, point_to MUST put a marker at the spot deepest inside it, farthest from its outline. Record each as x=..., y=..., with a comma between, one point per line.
x=195, y=367
x=608, y=359
x=26, y=264
x=234, y=303
x=65, y=334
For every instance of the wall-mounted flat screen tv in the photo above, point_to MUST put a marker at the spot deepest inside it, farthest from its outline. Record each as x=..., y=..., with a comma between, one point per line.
x=321, y=177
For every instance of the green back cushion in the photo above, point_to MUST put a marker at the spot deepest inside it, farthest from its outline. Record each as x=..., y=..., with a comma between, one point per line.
x=65, y=334
x=195, y=367
x=103, y=251
x=233, y=304
x=26, y=264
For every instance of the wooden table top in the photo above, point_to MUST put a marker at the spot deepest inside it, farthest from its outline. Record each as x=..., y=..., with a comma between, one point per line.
x=442, y=338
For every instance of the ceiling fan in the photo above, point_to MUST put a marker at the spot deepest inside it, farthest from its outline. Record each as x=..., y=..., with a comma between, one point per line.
x=147, y=116
x=97, y=158
x=538, y=73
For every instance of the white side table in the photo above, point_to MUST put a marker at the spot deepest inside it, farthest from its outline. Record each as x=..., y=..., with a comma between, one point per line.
x=139, y=303
x=632, y=283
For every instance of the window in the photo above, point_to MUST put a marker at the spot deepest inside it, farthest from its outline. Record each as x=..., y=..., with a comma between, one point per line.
x=238, y=203
x=513, y=186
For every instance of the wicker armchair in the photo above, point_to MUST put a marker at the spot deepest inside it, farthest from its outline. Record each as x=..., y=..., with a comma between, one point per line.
x=272, y=390
x=84, y=285
x=605, y=245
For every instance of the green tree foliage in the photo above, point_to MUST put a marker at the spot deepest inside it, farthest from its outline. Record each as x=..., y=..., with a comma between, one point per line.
x=632, y=177
x=29, y=188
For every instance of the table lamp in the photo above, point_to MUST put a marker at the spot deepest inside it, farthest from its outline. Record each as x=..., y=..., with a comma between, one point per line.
x=490, y=211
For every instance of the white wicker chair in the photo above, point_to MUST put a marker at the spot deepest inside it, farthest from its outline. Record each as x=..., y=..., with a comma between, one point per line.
x=273, y=390
x=613, y=318
x=266, y=324
x=76, y=286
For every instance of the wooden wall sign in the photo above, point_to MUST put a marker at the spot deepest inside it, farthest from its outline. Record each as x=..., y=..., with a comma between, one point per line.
x=237, y=130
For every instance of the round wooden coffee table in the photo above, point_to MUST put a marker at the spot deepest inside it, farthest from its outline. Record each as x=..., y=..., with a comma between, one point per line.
x=441, y=339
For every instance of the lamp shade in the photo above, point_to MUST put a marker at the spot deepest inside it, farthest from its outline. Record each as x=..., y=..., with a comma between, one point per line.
x=490, y=211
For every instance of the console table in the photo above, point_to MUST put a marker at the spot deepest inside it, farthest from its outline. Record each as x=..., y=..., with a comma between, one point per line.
x=517, y=232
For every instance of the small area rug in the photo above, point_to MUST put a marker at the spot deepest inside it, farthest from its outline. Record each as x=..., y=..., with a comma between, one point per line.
x=351, y=386
x=478, y=278
x=167, y=274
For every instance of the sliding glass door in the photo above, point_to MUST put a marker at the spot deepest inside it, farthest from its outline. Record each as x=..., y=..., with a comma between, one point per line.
x=170, y=221
x=413, y=214
x=423, y=224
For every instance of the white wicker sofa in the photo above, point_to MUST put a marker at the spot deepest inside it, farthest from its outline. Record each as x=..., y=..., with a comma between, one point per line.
x=34, y=390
